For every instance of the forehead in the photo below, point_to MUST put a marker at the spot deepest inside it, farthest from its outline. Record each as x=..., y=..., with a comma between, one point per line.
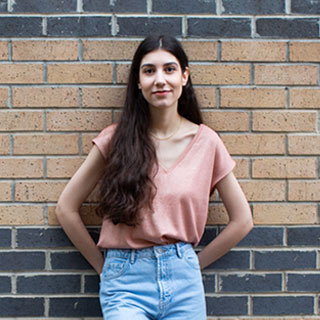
x=159, y=57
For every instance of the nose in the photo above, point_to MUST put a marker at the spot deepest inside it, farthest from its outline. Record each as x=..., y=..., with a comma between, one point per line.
x=159, y=79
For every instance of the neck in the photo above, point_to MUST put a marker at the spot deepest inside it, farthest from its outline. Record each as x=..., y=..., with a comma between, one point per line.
x=164, y=121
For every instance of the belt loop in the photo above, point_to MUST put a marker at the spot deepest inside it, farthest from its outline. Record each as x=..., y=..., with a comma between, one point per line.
x=132, y=256
x=178, y=250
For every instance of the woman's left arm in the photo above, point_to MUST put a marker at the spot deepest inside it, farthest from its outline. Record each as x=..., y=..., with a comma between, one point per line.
x=240, y=221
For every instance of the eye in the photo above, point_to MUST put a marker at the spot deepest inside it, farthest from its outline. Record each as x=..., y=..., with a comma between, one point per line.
x=170, y=69
x=148, y=70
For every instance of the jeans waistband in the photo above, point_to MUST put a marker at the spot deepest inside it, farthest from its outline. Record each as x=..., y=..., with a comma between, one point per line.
x=151, y=252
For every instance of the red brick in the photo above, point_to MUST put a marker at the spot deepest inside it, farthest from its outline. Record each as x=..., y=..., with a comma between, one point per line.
x=305, y=98
x=44, y=97
x=4, y=144
x=201, y=50
x=44, y=50
x=253, y=51
x=218, y=74
x=46, y=144
x=80, y=73
x=4, y=51
x=5, y=191
x=87, y=142
x=206, y=97
x=78, y=120
x=109, y=49
x=304, y=190
x=284, y=168
x=264, y=190
x=122, y=70
x=3, y=97
x=305, y=51
x=87, y=213
x=21, y=73
x=21, y=168
x=38, y=191
x=226, y=121
x=286, y=74
x=63, y=167
x=21, y=121
x=241, y=169
x=254, y=143
x=304, y=144
x=252, y=98
x=283, y=214
x=21, y=215
x=284, y=121
x=103, y=97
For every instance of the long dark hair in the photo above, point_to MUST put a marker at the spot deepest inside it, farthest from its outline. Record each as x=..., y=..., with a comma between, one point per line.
x=127, y=184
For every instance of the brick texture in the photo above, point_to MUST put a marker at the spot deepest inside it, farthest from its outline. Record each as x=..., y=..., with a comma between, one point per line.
x=64, y=67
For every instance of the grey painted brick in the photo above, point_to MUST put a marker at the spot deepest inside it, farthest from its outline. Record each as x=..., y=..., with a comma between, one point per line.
x=209, y=281
x=253, y=7
x=284, y=260
x=13, y=261
x=5, y=284
x=278, y=306
x=250, y=283
x=233, y=260
x=69, y=260
x=287, y=28
x=48, y=6
x=79, y=26
x=261, y=237
x=91, y=284
x=3, y=6
x=5, y=236
x=42, y=238
x=20, y=27
x=209, y=234
x=21, y=307
x=219, y=27
x=303, y=282
x=145, y=26
x=119, y=6
x=184, y=6
x=52, y=284
x=74, y=307
x=308, y=236
x=305, y=6
x=227, y=306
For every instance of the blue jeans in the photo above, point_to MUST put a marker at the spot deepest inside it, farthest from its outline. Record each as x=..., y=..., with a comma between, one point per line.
x=161, y=282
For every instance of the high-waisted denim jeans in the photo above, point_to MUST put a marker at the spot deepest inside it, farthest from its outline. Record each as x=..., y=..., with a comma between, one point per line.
x=159, y=283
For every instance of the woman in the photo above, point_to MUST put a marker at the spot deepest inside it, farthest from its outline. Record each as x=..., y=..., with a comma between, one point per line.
x=158, y=167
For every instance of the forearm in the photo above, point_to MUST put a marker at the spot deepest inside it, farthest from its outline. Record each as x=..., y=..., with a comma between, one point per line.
x=80, y=237
x=224, y=242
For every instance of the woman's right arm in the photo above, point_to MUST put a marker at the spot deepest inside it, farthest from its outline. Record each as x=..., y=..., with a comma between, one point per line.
x=75, y=193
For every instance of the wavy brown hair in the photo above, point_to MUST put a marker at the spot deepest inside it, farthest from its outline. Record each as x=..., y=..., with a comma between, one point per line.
x=127, y=184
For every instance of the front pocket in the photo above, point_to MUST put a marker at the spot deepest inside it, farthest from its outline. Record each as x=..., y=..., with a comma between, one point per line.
x=192, y=259
x=114, y=267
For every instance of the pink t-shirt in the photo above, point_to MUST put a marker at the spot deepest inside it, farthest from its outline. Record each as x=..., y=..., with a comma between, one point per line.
x=181, y=202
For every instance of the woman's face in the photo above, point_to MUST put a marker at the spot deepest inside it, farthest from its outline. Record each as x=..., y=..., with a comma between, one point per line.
x=161, y=79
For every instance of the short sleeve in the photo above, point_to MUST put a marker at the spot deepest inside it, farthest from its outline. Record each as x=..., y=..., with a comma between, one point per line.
x=103, y=139
x=223, y=163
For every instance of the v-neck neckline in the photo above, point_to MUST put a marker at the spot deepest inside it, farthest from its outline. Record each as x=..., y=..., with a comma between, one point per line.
x=183, y=154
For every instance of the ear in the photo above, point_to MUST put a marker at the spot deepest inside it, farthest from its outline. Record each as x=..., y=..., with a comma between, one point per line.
x=185, y=76
x=139, y=85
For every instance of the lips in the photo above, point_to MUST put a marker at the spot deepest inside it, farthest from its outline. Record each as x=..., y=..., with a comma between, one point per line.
x=161, y=92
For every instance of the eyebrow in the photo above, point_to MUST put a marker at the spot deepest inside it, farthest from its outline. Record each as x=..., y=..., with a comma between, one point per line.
x=152, y=65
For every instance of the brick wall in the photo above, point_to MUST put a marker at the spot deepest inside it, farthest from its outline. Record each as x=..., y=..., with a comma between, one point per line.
x=255, y=66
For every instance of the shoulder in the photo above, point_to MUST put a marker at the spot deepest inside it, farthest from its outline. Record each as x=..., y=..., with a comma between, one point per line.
x=209, y=133
x=108, y=131
x=103, y=139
